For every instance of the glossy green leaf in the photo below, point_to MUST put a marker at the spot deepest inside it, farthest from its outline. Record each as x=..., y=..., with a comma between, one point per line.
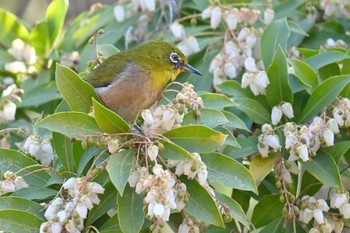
x=11, y=160
x=36, y=193
x=275, y=34
x=75, y=91
x=274, y=226
x=324, y=58
x=217, y=101
x=55, y=16
x=305, y=73
x=173, y=151
x=130, y=211
x=109, y=121
x=233, y=88
x=248, y=146
x=268, y=208
x=338, y=150
x=279, y=89
x=328, y=71
x=324, y=168
x=236, y=210
x=323, y=95
x=201, y=205
x=18, y=221
x=206, y=116
x=196, y=138
x=40, y=39
x=71, y=124
x=260, y=167
x=11, y=28
x=86, y=158
x=234, y=121
x=64, y=150
x=230, y=140
x=119, y=168
x=254, y=110
x=229, y=172
x=18, y=203
x=108, y=202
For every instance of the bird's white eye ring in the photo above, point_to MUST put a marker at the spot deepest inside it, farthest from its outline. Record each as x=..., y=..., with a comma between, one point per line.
x=174, y=58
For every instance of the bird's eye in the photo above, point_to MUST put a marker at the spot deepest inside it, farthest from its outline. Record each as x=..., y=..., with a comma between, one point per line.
x=174, y=58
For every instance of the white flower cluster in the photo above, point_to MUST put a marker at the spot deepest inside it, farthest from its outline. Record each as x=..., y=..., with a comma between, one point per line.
x=12, y=183
x=341, y=112
x=340, y=201
x=41, y=150
x=335, y=8
x=24, y=55
x=312, y=208
x=167, y=117
x=330, y=222
x=277, y=112
x=67, y=215
x=192, y=168
x=163, y=193
x=268, y=141
x=254, y=77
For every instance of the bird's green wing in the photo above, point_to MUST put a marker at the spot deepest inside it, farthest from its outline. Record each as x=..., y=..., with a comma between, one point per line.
x=108, y=71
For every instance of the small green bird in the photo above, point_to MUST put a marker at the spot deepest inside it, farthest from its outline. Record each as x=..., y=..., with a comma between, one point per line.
x=133, y=80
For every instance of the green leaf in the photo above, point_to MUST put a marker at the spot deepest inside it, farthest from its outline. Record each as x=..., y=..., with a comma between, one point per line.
x=18, y=203
x=119, y=168
x=11, y=28
x=55, y=16
x=254, y=110
x=234, y=121
x=130, y=211
x=229, y=172
x=236, y=210
x=173, y=151
x=11, y=160
x=40, y=39
x=268, y=208
x=279, y=89
x=201, y=205
x=75, y=91
x=109, y=121
x=248, y=147
x=71, y=124
x=337, y=150
x=18, y=221
x=108, y=202
x=230, y=140
x=64, y=149
x=260, y=167
x=324, y=58
x=40, y=95
x=196, y=138
x=305, y=73
x=87, y=156
x=233, y=88
x=274, y=226
x=217, y=101
x=36, y=193
x=275, y=34
x=206, y=116
x=324, y=168
x=323, y=95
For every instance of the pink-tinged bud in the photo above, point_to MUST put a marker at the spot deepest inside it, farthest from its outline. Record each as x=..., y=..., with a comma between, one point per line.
x=269, y=14
x=273, y=142
x=303, y=153
x=287, y=110
x=119, y=13
x=328, y=137
x=250, y=65
x=178, y=30
x=276, y=115
x=207, y=13
x=333, y=125
x=215, y=18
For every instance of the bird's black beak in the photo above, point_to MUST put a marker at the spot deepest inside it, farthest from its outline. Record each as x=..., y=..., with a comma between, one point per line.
x=191, y=69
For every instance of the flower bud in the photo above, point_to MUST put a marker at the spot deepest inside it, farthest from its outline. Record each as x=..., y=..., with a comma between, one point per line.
x=215, y=17
x=119, y=13
x=178, y=30
x=269, y=14
x=276, y=115
x=287, y=110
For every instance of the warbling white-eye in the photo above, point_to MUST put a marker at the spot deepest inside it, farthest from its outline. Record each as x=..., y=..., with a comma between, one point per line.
x=133, y=80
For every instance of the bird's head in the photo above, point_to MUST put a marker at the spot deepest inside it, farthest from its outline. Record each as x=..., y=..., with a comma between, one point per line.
x=168, y=56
